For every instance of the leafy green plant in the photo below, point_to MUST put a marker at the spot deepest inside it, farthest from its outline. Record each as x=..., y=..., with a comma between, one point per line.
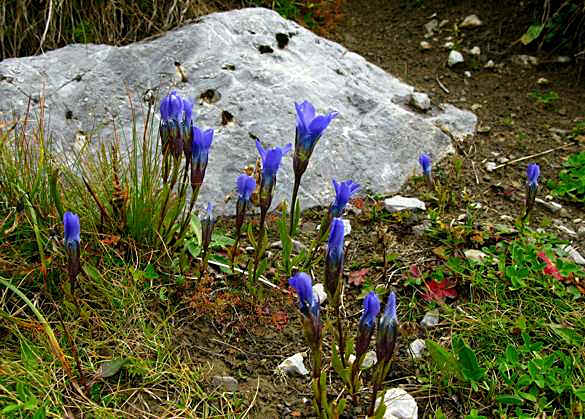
x=546, y=98
x=571, y=182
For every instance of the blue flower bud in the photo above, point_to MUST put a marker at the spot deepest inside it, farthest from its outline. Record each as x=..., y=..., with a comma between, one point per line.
x=72, y=230
x=532, y=174
x=334, y=259
x=246, y=185
x=309, y=307
x=271, y=160
x=343, y=192
x=199, y=155
x=387, y=331
x=367, y=323
x=207, y=224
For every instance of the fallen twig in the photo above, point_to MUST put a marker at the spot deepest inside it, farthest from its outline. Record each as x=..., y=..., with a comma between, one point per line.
x=441, y=85
x=542, y=153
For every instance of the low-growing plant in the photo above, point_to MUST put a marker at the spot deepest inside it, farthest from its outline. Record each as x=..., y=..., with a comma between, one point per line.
x=546, y=98
x=571, y=179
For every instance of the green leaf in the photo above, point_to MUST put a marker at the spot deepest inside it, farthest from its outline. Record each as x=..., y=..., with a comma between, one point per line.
x=195, y=224
x=531, y=34
x=580, y=393
x=110, y=368
x=569, y=335
x=445, y=361
x=467, y=360
x=91, y=272
x=510, y=399
x=512, y=355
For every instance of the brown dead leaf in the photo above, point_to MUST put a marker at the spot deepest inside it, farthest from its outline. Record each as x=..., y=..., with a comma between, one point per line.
x=279, y=319
x=357, y=278
x=110, y=240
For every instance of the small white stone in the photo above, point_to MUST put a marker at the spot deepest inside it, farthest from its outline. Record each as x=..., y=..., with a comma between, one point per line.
x=421, y=101
x=346, y=227
x=503, y=160
x=369, y=360
x=416, y=348
x=294, y=365
x=575, y=255
x=399, y=404
x=577, y=220
x=424, y=45
x=490, y=166
x=431, y=27
x=475, y=254
x=319, y=292
x=506, y=218
x=431, y=319
x=476, y=51
x=471, y=21
x=399, y=203
x=443, y=23
x=581, y=231
x=467, y=74
x=543, y=82
x=475, y=107
x=455, y=58
x=476, y=205
x=448, y=45
x=489, y=64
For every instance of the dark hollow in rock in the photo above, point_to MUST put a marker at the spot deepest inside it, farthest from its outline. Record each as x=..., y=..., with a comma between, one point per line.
x=265, y=49
x=210, y=96
x=226, y=117
x=68, y=114
x=229, y=67
x=282, y=40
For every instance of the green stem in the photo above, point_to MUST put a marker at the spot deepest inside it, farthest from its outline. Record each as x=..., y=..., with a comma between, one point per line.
x=293, y=204
x=260, y=241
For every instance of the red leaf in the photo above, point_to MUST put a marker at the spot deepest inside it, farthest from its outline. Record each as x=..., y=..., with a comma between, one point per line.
x=357, y=277
x=414, y=271
x=438, y=291
x=551, y=269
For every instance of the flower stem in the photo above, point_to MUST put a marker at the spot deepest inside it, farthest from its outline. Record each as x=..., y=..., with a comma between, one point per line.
x=293, y=205
x=260, y=241
x=340, y=335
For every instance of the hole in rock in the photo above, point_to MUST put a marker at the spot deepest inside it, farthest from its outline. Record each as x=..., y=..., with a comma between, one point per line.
x=210, y=96
x=226, y=117
x=265, y=49
x=282, y=40
x=229, y=67
x=68, y=114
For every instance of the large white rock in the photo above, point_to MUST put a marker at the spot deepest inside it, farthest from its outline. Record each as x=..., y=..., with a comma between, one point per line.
x=399, y=404
x=375, y=140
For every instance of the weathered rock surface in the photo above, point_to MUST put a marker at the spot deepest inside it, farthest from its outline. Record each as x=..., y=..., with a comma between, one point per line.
x=235, y=56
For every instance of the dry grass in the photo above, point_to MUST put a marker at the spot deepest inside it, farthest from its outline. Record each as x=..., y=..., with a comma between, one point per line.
x=28, y=27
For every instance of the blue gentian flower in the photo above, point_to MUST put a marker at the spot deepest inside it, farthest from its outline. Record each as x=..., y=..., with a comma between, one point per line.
x=171, y=107
x=271, y=160
x=425, y=163
x=532, y=174
x=207, y=223
x=367, y=323
x=199, y=155
x=334, y=259
x=171, y=112
x=343, y=192
x=72, y=230
x=246, y=185
x=309, y=307
x=302, y=284
x=387, y=331
x=309, y=129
